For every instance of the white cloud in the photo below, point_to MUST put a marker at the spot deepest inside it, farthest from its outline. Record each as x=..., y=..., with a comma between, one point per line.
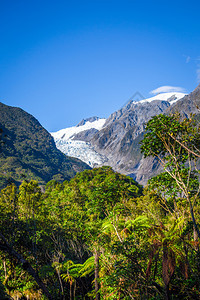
x=187, y=60
x=168, y=89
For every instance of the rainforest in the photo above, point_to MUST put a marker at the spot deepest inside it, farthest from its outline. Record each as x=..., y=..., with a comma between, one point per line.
x=101, y=235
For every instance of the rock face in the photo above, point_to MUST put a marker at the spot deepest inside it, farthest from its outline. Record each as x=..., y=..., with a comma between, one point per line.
x=91, y=120
x=190, y=104
x=116, y=142
x=28, y=151
x=126, y=125
x=119, y=139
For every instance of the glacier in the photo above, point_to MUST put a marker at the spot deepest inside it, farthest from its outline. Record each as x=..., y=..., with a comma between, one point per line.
x=65, y=142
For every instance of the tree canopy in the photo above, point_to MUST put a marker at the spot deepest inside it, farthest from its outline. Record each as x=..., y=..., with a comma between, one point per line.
x=103, y=236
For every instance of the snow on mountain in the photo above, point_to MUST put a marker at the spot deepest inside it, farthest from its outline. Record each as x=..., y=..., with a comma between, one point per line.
x=68, y=133
x=170, y=97
x=80, y=149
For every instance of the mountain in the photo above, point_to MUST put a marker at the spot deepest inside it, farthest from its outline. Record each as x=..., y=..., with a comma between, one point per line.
x=190, y=104
x=28, y=151
x=122, y=132
x=115, y=141
x=74, y=141
x=90, y=120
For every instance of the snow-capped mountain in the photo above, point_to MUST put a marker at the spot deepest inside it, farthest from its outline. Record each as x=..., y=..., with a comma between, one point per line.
x=66, y=142
x=70, y=132
x=115, y=141
x=122, y=132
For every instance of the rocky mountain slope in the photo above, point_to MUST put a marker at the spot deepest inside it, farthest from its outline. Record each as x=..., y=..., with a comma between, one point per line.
x=115, y=141
x=190, y=104
x=28, y=151
x=122, y=132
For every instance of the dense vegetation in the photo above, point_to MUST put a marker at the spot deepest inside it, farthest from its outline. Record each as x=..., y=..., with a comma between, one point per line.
x=27, y=151
x=103, y=236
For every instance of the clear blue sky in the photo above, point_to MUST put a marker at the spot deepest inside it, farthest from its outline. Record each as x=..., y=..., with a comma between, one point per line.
x=66, y=60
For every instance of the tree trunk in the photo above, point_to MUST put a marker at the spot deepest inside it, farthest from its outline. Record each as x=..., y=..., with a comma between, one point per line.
x=168, y=267
x=5, y=269
x=194, y=221
x=61, y=285
x=167, y=297
x=74, y=289
x=96, y=274
x=70, y=291
x=4, y=246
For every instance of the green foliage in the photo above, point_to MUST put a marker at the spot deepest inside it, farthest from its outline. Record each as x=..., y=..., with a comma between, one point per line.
x=60, y=226
x=168, y=135
x=3, y=294
x=101, y=233
x=27, y=151
x=176, y=144
x=78, y=270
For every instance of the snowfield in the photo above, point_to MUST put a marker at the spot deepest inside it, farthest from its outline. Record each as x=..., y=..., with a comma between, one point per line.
x=68, y=133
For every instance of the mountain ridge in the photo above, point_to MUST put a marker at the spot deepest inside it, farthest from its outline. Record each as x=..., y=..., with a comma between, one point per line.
x=28, y=151
x=118, y=139
x=26, y=146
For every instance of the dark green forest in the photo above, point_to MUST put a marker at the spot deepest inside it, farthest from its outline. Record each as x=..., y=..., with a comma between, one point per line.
x=103, y=236
x=28, y=151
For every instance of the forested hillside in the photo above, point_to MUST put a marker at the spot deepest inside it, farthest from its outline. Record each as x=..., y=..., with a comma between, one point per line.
x=27, y=150
x=101, y=235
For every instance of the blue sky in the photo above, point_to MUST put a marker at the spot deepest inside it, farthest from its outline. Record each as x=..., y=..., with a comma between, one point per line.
x=63, y=61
